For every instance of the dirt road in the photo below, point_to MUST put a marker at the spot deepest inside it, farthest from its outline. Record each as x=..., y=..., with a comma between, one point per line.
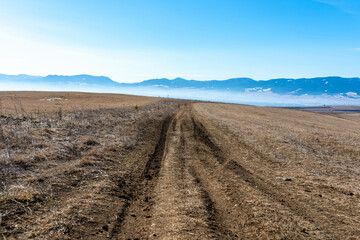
x=207, y=181
x=205, y=171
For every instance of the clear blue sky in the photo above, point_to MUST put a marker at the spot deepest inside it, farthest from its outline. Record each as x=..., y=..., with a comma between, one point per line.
x=134, y=40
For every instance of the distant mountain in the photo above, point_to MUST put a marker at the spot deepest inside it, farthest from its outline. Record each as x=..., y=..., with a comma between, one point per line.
x=238, y=83
x=59, y=81
x=310, y=86
x=349, y=87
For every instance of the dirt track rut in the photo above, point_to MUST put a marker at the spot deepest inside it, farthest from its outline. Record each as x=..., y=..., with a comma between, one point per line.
x=195, y=187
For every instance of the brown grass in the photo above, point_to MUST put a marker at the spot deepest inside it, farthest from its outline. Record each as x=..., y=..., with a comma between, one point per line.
x=210, y=170
x=30, y=103
x=54, y=163
x=320, y=153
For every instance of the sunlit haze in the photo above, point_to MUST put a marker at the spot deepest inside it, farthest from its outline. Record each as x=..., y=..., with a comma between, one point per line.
x=134, y=40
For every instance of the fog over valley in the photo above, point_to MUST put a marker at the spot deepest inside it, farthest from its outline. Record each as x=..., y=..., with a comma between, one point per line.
x=275, y=92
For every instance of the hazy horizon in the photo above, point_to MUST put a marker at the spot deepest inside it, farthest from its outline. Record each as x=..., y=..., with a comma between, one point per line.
x=257, y=99
x=173, y=78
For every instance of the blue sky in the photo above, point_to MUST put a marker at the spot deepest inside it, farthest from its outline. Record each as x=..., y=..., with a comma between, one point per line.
x=134, y=40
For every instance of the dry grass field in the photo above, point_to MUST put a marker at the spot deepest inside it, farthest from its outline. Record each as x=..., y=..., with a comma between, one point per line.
x=64, y=174
x=40, y=102
x=178, y=170
x=297, y=173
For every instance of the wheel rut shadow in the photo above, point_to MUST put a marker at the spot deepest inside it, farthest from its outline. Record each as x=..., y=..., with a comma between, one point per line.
x=215, y=227
x=140, y=186
x=153, y=164
x=213, y=220
x=201, y=134
x=276, y=193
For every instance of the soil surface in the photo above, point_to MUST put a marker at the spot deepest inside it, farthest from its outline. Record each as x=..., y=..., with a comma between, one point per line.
x=224, y=171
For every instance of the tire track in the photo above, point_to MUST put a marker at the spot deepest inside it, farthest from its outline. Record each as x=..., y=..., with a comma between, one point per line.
x=153, y=165
x=195, y=185
x=282, y=196
x=183, y=208
x=133, y=219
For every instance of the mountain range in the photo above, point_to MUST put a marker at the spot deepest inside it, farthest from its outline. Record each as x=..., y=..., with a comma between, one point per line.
x=59, y=80
x=349, y=87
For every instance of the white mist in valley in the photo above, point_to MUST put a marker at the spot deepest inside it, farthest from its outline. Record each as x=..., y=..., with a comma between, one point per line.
x=254, y=98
